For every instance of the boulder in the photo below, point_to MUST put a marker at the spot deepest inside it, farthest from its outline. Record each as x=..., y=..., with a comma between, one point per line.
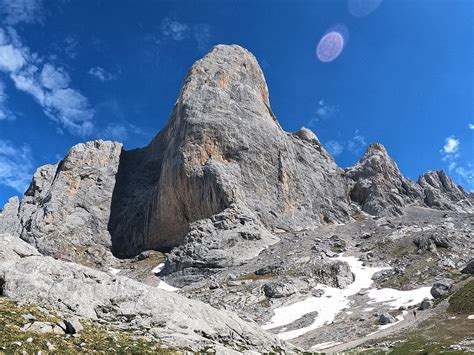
x=386, y=318
x=279, y=289
x=43, y=327
x=426, y=304
x=334, y=273
x=441, y=288
x=469, y=268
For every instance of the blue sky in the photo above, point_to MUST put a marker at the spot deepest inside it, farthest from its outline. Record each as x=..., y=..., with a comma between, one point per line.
x=74, y=70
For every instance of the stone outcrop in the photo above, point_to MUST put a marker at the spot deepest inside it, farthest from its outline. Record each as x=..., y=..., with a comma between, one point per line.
x=379, y=187
x=9, y=219
x=65, y=211
x=441, y=192
x=92, y=294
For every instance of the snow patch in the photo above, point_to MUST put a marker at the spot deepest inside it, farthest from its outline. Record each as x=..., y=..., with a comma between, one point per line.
x=332, y=302
x=396, y=298
x=158, y=268
x=335, y=300
x=470, y=316
x=164, y=286
x=114, y=271
x=328, y=344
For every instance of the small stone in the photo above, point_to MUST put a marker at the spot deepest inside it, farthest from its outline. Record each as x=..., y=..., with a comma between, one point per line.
x=29, y=340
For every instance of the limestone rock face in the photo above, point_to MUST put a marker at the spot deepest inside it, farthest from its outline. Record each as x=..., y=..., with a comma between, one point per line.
x=378, y=185
x=9, y=219
x=441, y=192
x=66, y=209
x=223, y=146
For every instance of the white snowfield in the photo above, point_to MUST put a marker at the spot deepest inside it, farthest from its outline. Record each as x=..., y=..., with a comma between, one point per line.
x=334, y=300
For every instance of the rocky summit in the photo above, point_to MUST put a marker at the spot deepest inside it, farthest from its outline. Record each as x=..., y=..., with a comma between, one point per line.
x=228, y=233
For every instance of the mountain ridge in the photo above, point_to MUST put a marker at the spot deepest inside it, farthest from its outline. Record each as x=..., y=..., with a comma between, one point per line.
x=223, y=199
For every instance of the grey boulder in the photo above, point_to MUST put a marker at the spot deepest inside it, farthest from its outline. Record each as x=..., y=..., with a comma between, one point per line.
x=386, y=318
x=441, y=288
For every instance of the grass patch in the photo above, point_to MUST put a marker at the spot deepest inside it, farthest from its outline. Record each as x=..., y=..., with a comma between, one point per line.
x=95, y=337
x=462, y=301
x=432, y=336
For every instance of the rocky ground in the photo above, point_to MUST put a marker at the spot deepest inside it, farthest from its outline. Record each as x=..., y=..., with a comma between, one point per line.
x=293, y=270
x=32, y=330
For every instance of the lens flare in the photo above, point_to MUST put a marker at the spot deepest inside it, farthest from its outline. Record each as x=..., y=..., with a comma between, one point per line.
x=330, y=46
x=361, y=8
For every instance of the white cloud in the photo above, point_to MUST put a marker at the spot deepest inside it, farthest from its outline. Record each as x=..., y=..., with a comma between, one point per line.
x=177, y=31
x=202, y=34
x=466, y=176
x=334, y=147
x=11, y=58
x=471, y=125
x=16, y=166
x=357, y=143
x=101, y=74
x=47, y=84
x=323, y=112
x=120, y=131
x=54, y=78
x=174, y=30
x=21, y=11
x=5, y=113
x=451, y=146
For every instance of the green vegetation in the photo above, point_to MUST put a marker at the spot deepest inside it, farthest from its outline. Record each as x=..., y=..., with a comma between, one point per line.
x=462, y=301
x=95, y=337
x=432, y=336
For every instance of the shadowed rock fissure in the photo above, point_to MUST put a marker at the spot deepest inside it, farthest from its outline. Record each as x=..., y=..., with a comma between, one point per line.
x=148, y=212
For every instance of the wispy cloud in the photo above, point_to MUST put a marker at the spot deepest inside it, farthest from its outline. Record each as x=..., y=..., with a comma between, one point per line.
x=202, y=34
x=48, y=84
x=334, y=147
x=466, y=176
x=323, y=112
x=5, y=113
x=355, y=145
x=16, y=166
x=102, y=74
x=21, y=11
x=471, y=125
x=461, y=170
x=120, y=131
x=174, y=30
x=451, y=146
